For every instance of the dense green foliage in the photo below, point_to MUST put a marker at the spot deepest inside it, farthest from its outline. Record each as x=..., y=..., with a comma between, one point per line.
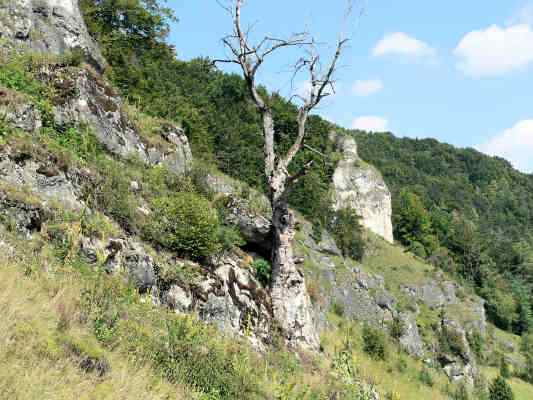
x=348, y=233
x=263, y=271
x=500, y=390
x=185, y=223
x=374, y=342
x=413, y=225
x=469, y=213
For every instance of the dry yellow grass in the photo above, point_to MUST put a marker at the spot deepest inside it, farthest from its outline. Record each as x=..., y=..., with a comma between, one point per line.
x=33, y=365
x=398, y=374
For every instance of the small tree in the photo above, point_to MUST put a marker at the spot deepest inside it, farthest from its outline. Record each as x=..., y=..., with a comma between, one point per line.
x=413, y=225
x=500, y=390
x=505, y=371
x=374, y=342
x=348, y=233
x=290, y=301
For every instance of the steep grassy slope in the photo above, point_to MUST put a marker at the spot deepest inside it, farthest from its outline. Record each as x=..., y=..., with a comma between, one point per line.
x=44, y=347
x=50, y=331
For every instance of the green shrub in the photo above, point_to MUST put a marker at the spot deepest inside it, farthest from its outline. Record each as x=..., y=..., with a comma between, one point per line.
x=505, y=371
x=185, y=223
x=229, y=237
x=477, y=343
x=113, y=197
x=426, y=377
x=348, y=233
x=337, y=309
x=96, y=225
x=500, y=390
x=451, y=341
x=74, y=57
x=263, y=271
x=374, y=342
x=397, y=328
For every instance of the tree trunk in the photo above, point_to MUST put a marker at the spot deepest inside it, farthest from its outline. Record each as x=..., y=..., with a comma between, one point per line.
x=290, y=300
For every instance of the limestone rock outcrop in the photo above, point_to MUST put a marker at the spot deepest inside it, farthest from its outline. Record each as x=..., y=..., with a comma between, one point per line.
x=410, y=339
x=18, y=112
x=41, y=177
x=47, y=26
x=359, y=186
x=458, y=362
x=86, y=98
x=176, y=154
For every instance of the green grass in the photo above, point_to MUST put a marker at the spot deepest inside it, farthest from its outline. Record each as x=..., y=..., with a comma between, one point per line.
x=398, y=373
x=40, y=356
x=522, y=390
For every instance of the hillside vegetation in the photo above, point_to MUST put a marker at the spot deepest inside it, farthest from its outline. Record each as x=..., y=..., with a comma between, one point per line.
x=474, y=217
x=468, y=213
x=118, y=275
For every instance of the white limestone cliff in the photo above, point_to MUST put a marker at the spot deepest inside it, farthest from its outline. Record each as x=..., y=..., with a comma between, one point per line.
x=360, y=186
x=47, y=26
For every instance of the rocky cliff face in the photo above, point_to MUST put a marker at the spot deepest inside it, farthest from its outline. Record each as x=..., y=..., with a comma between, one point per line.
x=84, y=98
x=360, y=186
x=47, y=26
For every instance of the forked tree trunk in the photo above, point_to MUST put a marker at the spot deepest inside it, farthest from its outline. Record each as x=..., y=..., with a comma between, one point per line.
x=291, y=304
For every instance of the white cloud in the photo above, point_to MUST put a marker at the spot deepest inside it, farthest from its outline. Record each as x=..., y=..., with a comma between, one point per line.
x=514, y=144
x=495, y=50
x=400, y=43
x=366, y=88
x=370, y=123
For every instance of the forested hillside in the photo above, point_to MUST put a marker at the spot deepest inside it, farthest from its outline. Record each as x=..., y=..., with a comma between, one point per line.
x=468, y=213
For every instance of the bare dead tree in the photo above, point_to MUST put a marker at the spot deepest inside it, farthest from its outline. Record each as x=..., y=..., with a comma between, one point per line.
x=291, y=304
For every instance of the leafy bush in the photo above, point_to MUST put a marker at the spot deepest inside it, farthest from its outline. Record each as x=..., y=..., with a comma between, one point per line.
x=113, y=197
x=263, y=271
x=229, y=237
x=451, y=341
x=185, y=223
x=374, y=342
x=500, y=390
x=505, y=371
x=426, y=377
x=348, y=233
x=397, y=328
x=477, y=343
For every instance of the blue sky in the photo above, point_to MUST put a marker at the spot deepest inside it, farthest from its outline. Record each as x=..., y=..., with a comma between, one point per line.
x=459, y=71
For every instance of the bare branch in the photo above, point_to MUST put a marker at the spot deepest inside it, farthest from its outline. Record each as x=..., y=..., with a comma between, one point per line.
x=250, y=57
